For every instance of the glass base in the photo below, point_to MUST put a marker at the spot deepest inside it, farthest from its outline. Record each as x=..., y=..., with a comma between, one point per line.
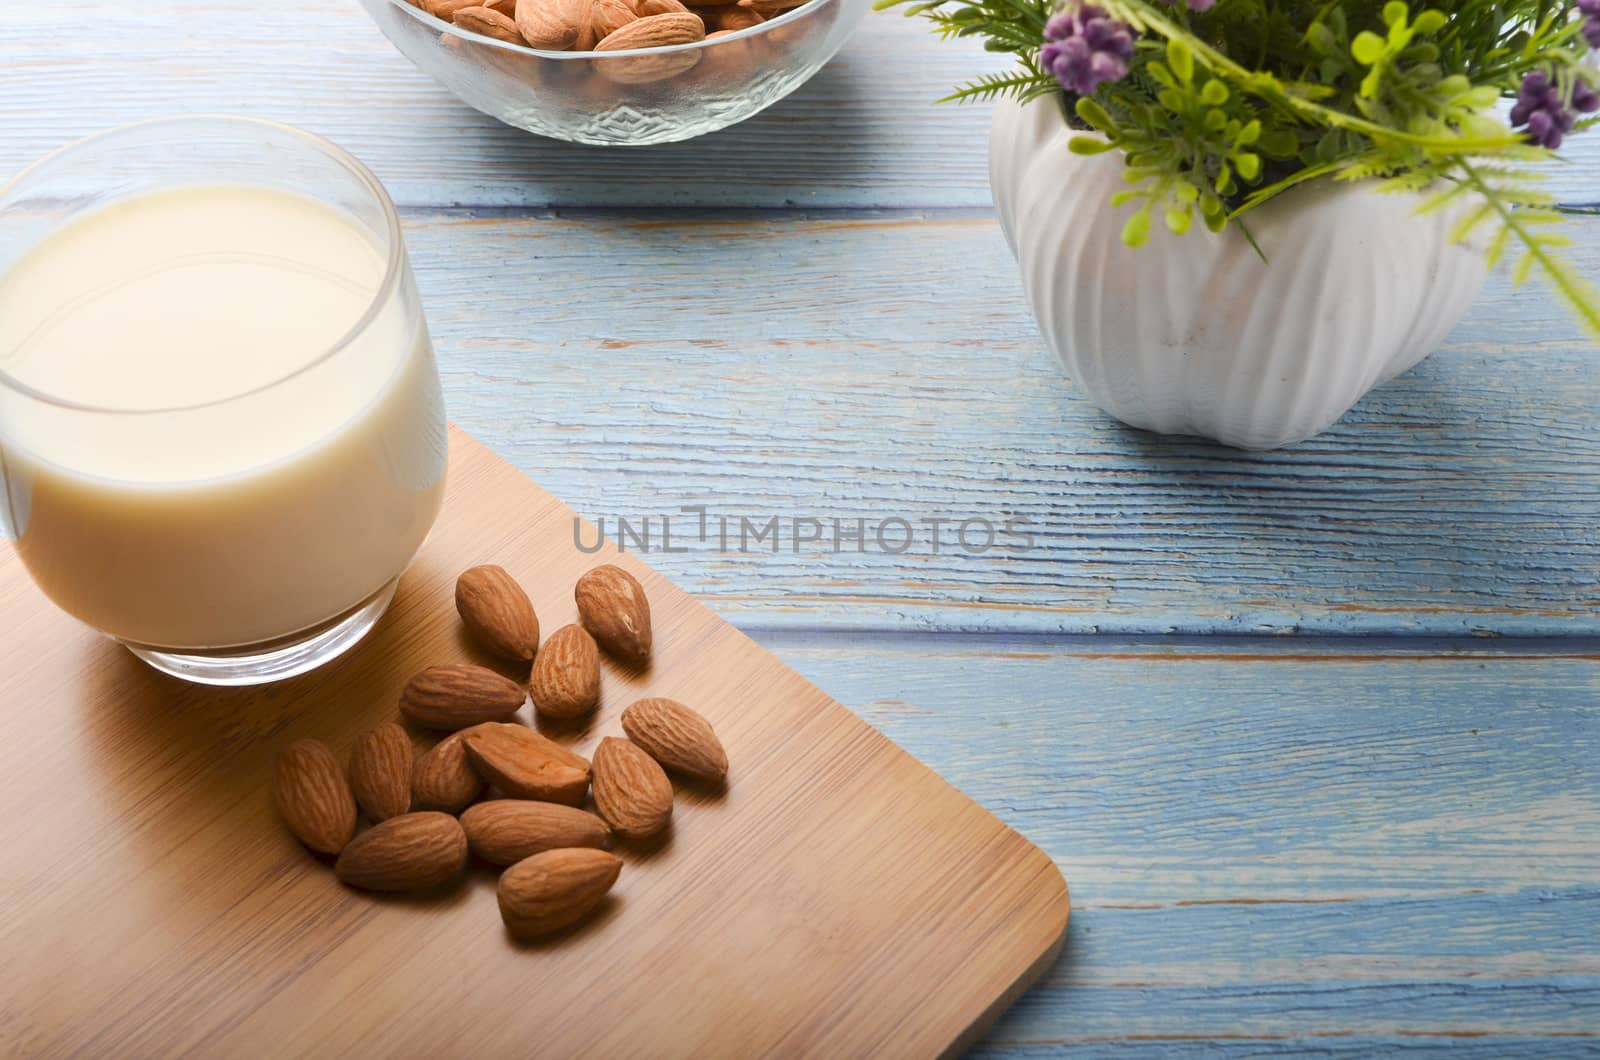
x=259, y=664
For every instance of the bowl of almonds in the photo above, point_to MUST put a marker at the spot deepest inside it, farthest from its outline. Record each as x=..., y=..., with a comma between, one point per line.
x=622, y=72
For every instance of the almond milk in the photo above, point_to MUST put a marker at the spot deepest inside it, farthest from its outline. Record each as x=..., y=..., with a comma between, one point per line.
x=216, y=430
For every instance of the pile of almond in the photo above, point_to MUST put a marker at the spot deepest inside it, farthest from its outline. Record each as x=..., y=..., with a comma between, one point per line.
x=495, y=787
x=604, y=25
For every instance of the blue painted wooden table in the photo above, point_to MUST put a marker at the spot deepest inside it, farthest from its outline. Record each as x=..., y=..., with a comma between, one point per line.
x=1315, y=734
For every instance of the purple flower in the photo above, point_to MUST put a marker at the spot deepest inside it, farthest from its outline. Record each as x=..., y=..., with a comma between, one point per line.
x=1198, y=6
x=1085, y=48
x=1540, y=107
x=1590, y=9
x=1585, y=100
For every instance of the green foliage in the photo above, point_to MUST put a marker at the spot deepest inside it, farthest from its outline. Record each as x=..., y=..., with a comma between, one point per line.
x=1225, y=110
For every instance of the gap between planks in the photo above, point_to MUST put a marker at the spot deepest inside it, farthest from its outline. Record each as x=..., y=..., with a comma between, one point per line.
x=689, y=215
x=1194, y=647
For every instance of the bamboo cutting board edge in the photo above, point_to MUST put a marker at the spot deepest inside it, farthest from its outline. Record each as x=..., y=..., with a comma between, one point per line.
x=839, y=898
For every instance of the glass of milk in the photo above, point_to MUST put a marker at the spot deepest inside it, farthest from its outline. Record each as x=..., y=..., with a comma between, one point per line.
x=222, y=437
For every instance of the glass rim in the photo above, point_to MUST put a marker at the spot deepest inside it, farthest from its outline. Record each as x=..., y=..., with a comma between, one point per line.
x=792, y=15
x=380, y=298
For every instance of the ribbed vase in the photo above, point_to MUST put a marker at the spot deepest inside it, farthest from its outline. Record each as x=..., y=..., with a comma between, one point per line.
x=1195, y=334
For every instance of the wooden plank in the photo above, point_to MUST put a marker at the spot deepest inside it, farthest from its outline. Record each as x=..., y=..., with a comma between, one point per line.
x=865, y=132
x=1241, y=770
x=1276, y=847
x=835, y=896
x=838, y=368
x=1467, y=967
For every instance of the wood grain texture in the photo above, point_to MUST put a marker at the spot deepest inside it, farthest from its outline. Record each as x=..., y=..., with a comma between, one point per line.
x=1462, y=498
x=837, y=897
x=1277, y=848
x=865, y=132
x=1249, y=769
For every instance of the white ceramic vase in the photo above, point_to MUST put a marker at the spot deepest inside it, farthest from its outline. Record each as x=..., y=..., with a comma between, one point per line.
x=1195, y=334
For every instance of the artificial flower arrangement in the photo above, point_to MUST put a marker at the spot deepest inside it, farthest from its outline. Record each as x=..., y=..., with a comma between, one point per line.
x=1220, y=106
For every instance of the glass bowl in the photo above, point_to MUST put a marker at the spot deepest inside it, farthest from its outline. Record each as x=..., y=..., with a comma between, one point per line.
x=644, y=96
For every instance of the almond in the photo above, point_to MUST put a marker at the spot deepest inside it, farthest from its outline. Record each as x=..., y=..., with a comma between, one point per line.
x=608, y=16
x=487, y=22
x=645, y=8
x=412, y=852
x=523, y=764
x=313, y=797
x=505, y=831
x=611, y=602
x=446, y=9
x=443, y=779
x=555, y=25
x=380, y=772
x=586, y=38
x=565, y=682
x=656, y=31
x=733, y=19
x=631, y=792
x=458, y=697
x=498, y=613
x=677, y=737
x=505, y=7
x=644, y=69
x=555, y=889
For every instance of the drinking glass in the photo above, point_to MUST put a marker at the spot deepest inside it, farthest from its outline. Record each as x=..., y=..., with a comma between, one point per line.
x=231, y=518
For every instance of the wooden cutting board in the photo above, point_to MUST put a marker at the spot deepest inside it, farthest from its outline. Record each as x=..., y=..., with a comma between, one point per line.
x=839, y=899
